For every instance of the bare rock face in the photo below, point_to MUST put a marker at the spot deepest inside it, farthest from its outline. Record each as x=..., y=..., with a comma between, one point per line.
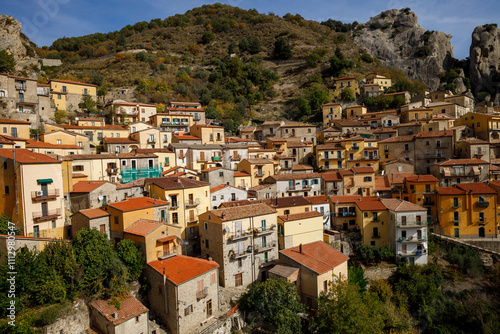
x=485, y=62
x=10, y=37
x=396, y=38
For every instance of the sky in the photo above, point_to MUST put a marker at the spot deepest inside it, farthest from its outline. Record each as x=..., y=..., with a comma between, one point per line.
x=47, y=20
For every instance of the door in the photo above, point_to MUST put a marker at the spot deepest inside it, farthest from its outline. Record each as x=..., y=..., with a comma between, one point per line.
x=457, y=233
x=44, y=190
x=202, y=156
x=44, y=209
x=209, y=308
x=13, y=132
x=238, y=227
x=134, y=164
x=481, y=232
x=102, y=228
x=238, y=280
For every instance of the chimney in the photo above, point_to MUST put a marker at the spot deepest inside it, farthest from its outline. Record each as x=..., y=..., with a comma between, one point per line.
x=300, y=248
x=210, y=259
x=115, y=315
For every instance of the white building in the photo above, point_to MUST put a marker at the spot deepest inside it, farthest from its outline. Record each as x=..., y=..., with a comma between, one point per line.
x=408, y=230
x=300, y=184
x=226, y=193
x=321, y=204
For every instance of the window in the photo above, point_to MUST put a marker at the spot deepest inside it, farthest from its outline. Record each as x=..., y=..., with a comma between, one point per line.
x=175, y=219
x=85, y=91
x=325, y=286
x=455, y=202
x=238, y=280
x=117, y=220
x=367, y=178
x=58, y=96
x=6, y=190
x=456, y=216
x=213, y=279
x=481, y=217
x=206, y=243
x=214, y=198
x=78, y=168
x=188, y=310
x=221, y=174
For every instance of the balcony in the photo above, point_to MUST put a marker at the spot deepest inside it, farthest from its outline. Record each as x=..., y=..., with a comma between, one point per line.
x=431, y=156
x=41, y=196
x=262, y=248
x=28, y=100
x=482, y=204
x=236, y=157
x=233, y=255
x=259, y=174
x=344, y=214
x=21, y=86
x=263, y=230
x=200, y=294
x=412, y=239
x=192, y=203
x=411, y=224
x=239, y=236
x=355, y=148
x=217, y=158
x=412, y=253
x=112, y=171
x=174, y=206
x=48, y=215
x=298, y=188
x=376, y=236
x=163, y=254
x=429, y=203
x=151, y=140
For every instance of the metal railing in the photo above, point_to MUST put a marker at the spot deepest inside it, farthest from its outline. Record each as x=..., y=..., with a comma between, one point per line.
x=39, y=195
x=166, y=253
x=239, y=236
x=412, y=253
x=262, y=248
x=344, y=214
x=236, y=157
x=264, y=230
x=112, y=171
x=200, y=294
x=413, y=238
x=298, y=188
x=48, y=215
x=482, y=204
x=192, y=203
x=411, y=223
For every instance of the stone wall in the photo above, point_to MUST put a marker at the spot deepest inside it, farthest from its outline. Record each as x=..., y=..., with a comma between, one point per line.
x=75, y=322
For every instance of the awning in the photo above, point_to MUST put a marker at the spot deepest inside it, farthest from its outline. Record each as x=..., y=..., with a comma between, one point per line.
x=44, y=181
x=166, y=239
x=446, y=172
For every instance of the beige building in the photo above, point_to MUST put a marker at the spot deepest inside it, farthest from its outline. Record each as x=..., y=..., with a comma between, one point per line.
x=209, y=134
x=356, y=111
x=32, y=193
x=258, y=169
x=20, y=96
x=66, y=94
x=97, y=219
x=319, y=264
x=131, y=112
x=14, y=128
x=148, y=138
x=299, y=228
x=62, y=137
x=183, y=292
x=95, y=133
x=331, y=111
x=242, y=240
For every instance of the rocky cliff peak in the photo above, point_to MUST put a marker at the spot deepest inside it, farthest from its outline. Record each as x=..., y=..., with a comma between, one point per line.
x=396, y=38
x=15, y=42
x=484, y=62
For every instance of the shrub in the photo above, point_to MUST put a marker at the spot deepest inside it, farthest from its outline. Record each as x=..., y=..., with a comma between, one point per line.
x=282, y=50
x=467, y=260
x=207, y=37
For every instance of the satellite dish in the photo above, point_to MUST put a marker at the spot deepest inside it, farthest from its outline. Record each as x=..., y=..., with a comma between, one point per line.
x=119, y=176
x=246, y=188
x=227, y=229
x=76, y=118
x=279, y=167
x=383, y=172
x=167, y=198
x=100, y=197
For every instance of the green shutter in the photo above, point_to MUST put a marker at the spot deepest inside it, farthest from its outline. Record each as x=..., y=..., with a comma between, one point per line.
x=44, y=181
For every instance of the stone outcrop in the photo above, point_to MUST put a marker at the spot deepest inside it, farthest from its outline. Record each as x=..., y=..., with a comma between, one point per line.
x=485, y=62
x=16, y=43
x=396, y=38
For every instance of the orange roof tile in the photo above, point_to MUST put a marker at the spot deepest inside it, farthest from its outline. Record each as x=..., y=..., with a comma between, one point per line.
x=137, y=203
x=450, y=191
x=317, y=256
x=143, y=227
x=87, y=186
x=370, y=205
x=329, y=176
x=180, y=268
x=300, y=216
x=129, y=308
x=476, y=188
x=94, y=213
x=240, y=174
x=186, y=137
x=360, y=170
x=321, y=199
x=421, y=178
x=12, y=121
x=453, y=162
x=239, y=212
x=381, y=184
x=395, y=204
x=73, y=82
x=25, y=156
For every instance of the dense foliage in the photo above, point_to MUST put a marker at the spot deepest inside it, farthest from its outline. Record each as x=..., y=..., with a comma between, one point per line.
x=7, y=62
x=275, y=301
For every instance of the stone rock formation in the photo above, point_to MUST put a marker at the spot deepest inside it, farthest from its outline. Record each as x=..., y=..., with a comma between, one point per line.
x=396, y=38
x=15, y=42
x=485, y=62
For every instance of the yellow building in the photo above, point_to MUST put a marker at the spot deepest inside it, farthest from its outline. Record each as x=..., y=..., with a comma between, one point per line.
x=15, y=128
x=343, y=83
x=31, y=193
x=242, y=179
x=172, y=121
x=258, y=169
x=66, y=94
x=355, y=111
x=48, y=148
x=278, y=144
x=331, y=111
x=372, y=218
x=209, y=134
x=156, y=240
x=61, y=137
x=95, y=133
x=188, y=199
x=377, y=79
x=421, y=190
x=127, y=212
x=416, y=114
x=320, y=265
x=358, y=180
x=468, y=210
x=347, y=153
x=148, y=138
x=485, y=126
x=166, y=157
x=131, y=112
x=299, y=228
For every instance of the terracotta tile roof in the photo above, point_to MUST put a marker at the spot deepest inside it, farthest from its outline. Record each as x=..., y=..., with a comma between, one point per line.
x=129, y=309
x=40, y=144
x=87, y=186
x=494, y=167
x=210, y=169
x=25, y=156
x=137, y=203
x=382, y=184
x=414, y=123
x=6, y=140
x=295, y=176
x=120, y=140
x=133, y=104
x=397, y=139
x=94, y=213
x=344, y=172
x=342, y=199
x=450, y=191
x=456, y=162
x=154, y=150
x=347, y=122
x=295, y=143
x=331, y=104
x=321, y=199
x=259, y=161
x=421, y=178
x=370, y=205
x=187, y=137
x=174, y=182
x=317, y=256
x=240, y=174
x=431, y=134
x=398, y=178
x=136, y=183
x=302, y=167
x=289, y=124
x=300, y=216
x=209, y=126
x=361, y=170
x=180, y=268
x=240, y=212
x=331, y=176
x=219, y=187
x=283, y=271
x=81, y=127
x=143, y=227
x=472, y=140
x=398, y=205
x=12, y=121
x=279, y=202
x=476, y=188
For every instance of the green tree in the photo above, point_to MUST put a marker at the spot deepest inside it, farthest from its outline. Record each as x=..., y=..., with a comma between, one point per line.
x=7, y=62
x=357, y=277
x=347, y=95
x=282, y=50
x=103, y=272
x=6, y=228
x=88, y=104
x=131, y=257
x=384, y=252
x=277, y=302
x=207, y=37
x=60, y=116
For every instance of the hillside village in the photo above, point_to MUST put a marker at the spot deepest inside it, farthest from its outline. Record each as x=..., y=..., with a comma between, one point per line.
x=212, y=212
